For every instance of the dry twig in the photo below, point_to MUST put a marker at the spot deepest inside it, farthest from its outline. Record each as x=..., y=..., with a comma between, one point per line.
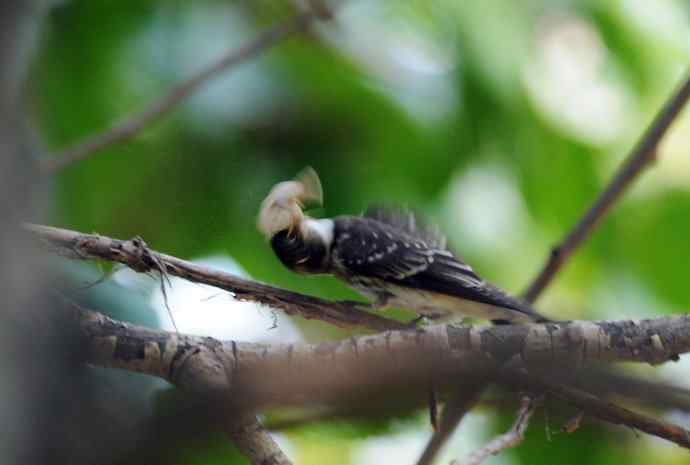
x=135, y=254
x=157, y=109
x=510, y=438
x=640, y=157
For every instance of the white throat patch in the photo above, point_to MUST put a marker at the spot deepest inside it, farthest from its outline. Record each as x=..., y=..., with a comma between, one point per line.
x=322, y=228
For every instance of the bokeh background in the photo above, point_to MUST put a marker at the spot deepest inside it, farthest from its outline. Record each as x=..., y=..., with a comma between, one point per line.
x=500, y=120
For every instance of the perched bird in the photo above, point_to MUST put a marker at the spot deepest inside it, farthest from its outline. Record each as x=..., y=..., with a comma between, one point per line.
x=386, y=254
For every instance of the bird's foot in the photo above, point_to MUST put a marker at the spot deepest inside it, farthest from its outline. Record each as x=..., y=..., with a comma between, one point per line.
x=429, y=318
x=356, y=305
x=414, y=323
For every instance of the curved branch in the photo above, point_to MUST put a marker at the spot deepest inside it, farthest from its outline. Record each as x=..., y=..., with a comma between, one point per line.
x=135, y=254
x=157, y=109
x=640, y=157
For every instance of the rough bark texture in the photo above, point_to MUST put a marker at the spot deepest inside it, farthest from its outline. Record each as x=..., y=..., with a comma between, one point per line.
x=135, y=254
x=358, y=364
x=540, y=358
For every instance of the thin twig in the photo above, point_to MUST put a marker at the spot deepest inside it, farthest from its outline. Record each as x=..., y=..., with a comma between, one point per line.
x=136, y=255
x=612, y=413
x=513, y=437
x=462, y=401
x=134, y=123
x=596, y=407
x=640, y=157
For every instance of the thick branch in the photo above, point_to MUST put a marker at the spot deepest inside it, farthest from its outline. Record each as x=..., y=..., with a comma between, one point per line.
x=641, y=156
x=366, y=366
x=135, y=254
x=135, y=122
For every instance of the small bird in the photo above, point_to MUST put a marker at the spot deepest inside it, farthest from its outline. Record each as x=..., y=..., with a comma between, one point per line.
x=387, y=254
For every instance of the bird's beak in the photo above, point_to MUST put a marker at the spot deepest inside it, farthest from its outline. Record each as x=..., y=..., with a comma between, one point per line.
x=282, y=208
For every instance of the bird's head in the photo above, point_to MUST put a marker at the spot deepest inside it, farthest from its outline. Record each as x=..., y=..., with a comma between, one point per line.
x=282, y=209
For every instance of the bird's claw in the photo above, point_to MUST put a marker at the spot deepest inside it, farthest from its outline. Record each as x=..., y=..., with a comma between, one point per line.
x=427, y=318
x=412, y=324
x=356, y=305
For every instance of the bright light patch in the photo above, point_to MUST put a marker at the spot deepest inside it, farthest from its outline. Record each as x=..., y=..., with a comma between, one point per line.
x=665, y=19
x=178, y=45
x=569, y=80
x=405, y=446
x=672, y=172
x=208, y=311
x=485, y=206
x=412, y=69
x=621, y=296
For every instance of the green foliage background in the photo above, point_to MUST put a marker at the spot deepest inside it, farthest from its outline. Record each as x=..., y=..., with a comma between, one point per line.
x=532, y=104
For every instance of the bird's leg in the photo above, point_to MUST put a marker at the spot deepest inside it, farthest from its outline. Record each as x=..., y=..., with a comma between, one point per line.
x=412, y=324
x=356, y=304
x=429, y=317
x=380, y=302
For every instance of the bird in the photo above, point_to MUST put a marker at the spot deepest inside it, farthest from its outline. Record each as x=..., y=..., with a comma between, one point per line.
x=388, y=254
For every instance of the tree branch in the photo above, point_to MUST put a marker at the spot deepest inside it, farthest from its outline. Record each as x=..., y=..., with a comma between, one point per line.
x=640, y=157
x=368, y=366
x=254, y=442
x=511, y=438
x=612, y=413
x=135, y=254
x=464, y=398
x=157, y=109
x=370, y=363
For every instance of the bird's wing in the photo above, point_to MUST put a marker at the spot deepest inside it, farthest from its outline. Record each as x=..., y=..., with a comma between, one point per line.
x=408, y=221
x=367, y=247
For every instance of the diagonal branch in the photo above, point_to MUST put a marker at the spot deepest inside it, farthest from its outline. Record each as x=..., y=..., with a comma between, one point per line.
x=612, y=413
x=135, y=254
x=463, y=399
x=157, y=109
x=641, y=156
x=510, y=438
